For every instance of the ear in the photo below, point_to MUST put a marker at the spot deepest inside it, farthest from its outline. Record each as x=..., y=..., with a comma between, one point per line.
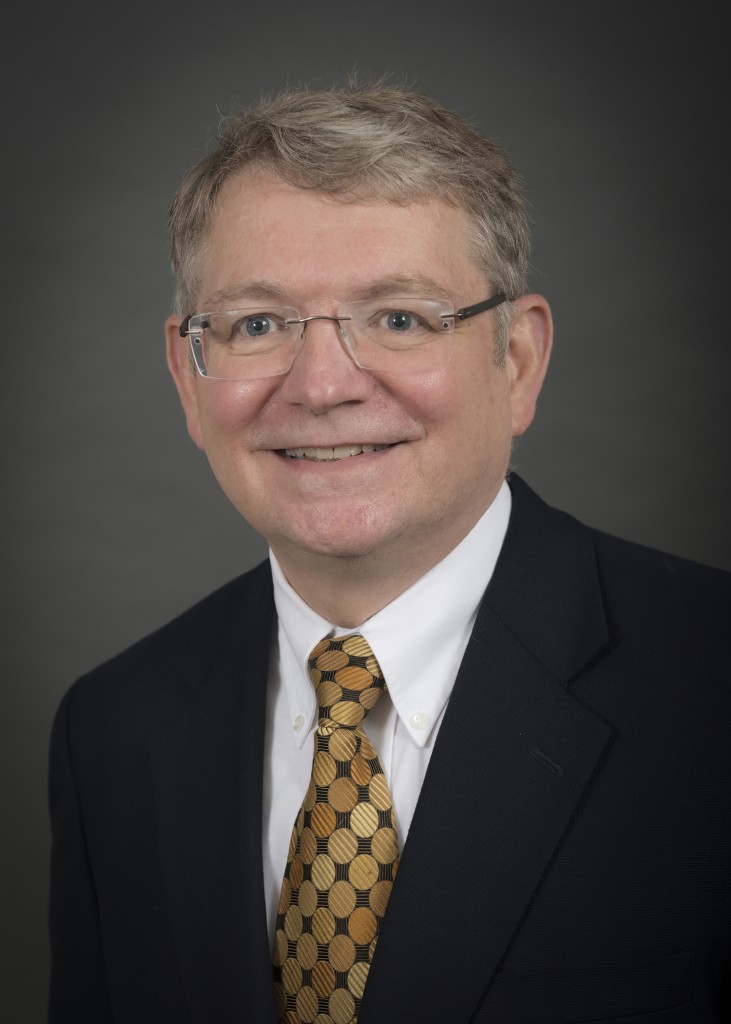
x=529, y=350
x=184, y=375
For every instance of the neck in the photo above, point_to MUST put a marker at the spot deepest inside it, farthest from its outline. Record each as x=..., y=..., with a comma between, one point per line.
x=348, y=590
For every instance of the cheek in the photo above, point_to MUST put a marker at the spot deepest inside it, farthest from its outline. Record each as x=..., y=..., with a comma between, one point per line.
x=226, y=408
x=433, y=397
x=469, y=398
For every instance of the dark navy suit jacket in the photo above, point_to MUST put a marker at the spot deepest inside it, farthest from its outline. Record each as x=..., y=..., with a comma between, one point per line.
x=570, y=855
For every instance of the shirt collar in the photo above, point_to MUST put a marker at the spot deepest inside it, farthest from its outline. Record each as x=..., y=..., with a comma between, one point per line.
x=419, y=638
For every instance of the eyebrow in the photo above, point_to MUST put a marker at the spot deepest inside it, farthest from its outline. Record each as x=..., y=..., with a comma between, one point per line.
x=250, y=290
x=395, y=285
x=405, y=285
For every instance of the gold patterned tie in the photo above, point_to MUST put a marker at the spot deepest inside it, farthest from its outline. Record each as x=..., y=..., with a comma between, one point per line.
x=343, y=854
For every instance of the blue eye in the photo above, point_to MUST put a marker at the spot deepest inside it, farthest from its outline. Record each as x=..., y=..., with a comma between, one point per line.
x=257, y=326
x=399, y=320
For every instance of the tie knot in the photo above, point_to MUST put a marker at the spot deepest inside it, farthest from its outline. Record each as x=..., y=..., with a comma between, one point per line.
x=347, y=679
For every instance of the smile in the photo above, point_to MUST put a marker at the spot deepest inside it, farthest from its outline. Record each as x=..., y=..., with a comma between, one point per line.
x=342, y=451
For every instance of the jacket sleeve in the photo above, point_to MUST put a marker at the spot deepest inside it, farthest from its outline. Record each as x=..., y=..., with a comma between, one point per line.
x=78, y=989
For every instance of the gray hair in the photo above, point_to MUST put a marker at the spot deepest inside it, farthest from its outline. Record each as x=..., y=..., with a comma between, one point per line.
x=376, y=141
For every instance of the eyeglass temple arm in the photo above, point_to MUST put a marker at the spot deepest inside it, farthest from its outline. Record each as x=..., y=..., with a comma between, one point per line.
x=479, y=307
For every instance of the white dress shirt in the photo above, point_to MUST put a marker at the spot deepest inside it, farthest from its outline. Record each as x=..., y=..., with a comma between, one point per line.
x=419, y=640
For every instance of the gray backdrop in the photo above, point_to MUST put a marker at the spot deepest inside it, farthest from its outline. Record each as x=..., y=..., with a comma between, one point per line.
x=111, y=521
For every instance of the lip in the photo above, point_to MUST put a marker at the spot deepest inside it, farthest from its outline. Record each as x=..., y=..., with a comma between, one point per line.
x=334, y=453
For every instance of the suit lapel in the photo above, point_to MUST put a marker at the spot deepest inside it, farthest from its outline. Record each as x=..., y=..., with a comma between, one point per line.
x=514, y=758
x=207, y=769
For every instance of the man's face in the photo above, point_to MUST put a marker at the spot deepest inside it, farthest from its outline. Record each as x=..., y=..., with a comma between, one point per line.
x=446, y=433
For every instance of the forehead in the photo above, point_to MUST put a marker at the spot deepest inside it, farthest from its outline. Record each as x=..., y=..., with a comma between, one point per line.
x=318, y=244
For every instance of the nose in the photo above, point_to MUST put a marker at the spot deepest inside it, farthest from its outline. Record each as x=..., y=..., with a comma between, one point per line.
x=324, y=373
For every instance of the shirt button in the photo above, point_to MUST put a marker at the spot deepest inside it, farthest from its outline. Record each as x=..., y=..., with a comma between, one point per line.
x=298, y=723
x=419, y=720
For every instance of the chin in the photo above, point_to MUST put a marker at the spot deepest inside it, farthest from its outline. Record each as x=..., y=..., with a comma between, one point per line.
x=334, y=545
x=356, y=534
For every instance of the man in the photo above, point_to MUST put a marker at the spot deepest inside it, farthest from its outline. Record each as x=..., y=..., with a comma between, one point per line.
x=532, y=823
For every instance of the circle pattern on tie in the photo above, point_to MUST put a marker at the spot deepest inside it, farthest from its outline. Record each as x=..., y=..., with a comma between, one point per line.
x=343, y=854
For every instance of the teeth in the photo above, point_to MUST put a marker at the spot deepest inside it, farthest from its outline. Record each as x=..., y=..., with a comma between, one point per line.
x=342, y=451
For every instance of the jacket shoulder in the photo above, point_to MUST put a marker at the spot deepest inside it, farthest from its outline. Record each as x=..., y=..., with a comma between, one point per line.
x=164, y=670
x=657, y=606
x=668, y=603
x=618, y=559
